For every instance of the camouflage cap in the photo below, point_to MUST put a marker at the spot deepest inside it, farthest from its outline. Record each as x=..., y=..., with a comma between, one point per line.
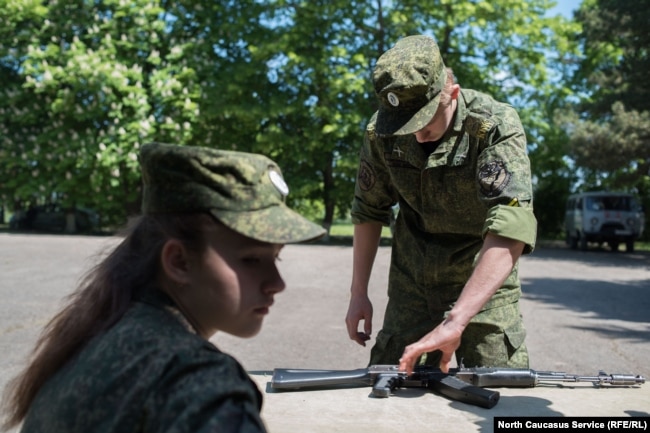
x=244, y=191
x=408, y=79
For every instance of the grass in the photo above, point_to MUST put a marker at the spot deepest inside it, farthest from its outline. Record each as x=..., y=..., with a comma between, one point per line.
x=642, y=246
x=347, y=229
x=341, y=232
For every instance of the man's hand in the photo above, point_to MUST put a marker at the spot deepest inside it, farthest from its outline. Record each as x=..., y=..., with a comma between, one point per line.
x=360, y=309
x=445, y=337
x=496, y=260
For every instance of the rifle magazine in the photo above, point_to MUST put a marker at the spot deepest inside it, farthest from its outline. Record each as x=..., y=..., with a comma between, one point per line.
x=455, y=389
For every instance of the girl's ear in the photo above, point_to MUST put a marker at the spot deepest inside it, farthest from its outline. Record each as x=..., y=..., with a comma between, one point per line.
x=175, y=261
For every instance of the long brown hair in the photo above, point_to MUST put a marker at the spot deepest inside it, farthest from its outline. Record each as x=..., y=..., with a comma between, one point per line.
x=101, y=299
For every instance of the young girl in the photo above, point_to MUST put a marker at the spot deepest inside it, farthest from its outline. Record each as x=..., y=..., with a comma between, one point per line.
x=130, y=351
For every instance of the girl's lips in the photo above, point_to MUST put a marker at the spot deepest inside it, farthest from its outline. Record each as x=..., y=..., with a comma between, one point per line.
x=265, y=308
x=262, y=310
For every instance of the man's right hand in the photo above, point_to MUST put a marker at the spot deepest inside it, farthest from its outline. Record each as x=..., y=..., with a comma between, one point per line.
x=364, y=249
x=360, y=309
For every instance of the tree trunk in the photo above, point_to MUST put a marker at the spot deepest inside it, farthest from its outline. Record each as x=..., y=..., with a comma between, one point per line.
x=70, y=222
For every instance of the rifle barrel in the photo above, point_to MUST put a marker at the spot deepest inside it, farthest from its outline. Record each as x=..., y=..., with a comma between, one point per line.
x=601, y=379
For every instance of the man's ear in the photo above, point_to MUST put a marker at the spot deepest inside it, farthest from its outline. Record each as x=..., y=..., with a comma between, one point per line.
x=455, y=91
x=175, y=261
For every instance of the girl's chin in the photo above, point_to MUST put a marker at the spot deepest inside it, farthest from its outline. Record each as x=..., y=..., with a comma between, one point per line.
x=247, y=332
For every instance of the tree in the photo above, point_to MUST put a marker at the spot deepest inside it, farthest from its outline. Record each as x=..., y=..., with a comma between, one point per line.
x=19, y=113
x=610, y=137
x=93, y=99
x=91, y=81
x=314, y=118
x=616, y=62
x=96, y=80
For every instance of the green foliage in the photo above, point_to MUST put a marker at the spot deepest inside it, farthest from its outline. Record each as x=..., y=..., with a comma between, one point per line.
x=610, y=124
x=554, y=173
x=616, y=61
x=95, y=81
x=86, y=83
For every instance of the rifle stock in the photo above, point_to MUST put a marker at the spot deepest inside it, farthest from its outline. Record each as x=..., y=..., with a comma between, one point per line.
x=293, y=379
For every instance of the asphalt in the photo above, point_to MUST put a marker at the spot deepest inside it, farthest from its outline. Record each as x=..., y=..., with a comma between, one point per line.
x=584, y=312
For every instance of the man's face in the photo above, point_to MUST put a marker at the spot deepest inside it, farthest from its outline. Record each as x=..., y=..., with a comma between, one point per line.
x=440, y=121
x=438, y=125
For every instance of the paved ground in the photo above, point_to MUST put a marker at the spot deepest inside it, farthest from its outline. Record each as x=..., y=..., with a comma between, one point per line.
x=584, y=311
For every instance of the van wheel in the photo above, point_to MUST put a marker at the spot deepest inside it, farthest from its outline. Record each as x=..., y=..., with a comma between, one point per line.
x=629, y=246
x=613, y=246
x=583, y=242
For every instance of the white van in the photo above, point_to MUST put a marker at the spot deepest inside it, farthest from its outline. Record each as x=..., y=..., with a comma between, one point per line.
x=601, y=217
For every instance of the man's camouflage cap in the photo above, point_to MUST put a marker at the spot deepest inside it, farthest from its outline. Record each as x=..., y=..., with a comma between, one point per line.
x=244, y=191
x=408, y=79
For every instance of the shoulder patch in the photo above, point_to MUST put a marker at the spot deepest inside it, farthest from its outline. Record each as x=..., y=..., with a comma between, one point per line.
x=478, y=126
x=493, y=178
x=484, y=128
x=366, y=177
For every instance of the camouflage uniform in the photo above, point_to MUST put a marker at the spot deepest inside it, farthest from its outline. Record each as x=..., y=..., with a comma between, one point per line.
x=148, y=373
x=477, y=179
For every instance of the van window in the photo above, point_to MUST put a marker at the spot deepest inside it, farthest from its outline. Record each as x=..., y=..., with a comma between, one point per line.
x=609, y=203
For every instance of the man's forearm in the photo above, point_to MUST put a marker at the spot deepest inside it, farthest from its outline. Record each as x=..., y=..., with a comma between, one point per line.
x=365, y=244
x=495, y=263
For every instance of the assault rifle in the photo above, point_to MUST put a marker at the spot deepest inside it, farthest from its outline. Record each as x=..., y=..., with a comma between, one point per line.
x=461, y=384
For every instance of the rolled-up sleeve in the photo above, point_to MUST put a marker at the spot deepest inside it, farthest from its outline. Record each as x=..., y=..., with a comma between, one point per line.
x=512, y=222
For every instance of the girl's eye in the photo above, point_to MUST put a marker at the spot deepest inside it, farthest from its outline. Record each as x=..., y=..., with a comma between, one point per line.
x=260, y=257
x=251, y=260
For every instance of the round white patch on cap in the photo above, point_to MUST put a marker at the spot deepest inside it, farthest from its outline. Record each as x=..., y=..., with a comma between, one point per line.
x=392, y=99
x=278, y=182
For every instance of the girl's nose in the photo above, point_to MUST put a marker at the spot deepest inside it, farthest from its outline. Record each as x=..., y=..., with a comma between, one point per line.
x=275, y=283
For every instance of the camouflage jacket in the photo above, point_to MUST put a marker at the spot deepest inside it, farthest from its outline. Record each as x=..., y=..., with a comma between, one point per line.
x=148, y=373
x=477, y=179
